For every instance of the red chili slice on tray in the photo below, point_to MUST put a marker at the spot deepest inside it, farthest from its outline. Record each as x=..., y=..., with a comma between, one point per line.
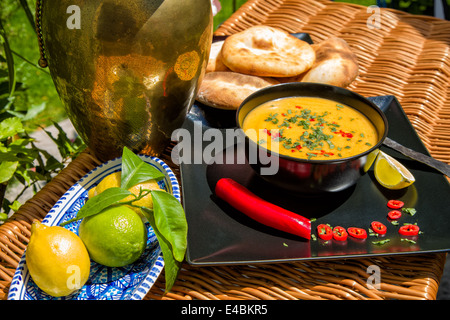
x=378, y=227
x=394, y=214
x=395, y=204
x=358, y=233
x=324, y=232
x=409, y=230
x=339, y=233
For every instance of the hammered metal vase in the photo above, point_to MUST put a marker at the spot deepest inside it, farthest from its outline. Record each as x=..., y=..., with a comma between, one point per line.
x=127, y=71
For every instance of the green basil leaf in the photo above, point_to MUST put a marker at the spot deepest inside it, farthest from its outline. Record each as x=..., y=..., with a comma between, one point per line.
x=171, y=221
x=7, y=169
x=3, y=216
x=9, y=127
x=135, y=170
x=100, y=202
x=171, y=265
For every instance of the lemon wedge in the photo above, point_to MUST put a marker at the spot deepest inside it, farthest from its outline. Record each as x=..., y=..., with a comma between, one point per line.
x=390, y=173
x=371, y=159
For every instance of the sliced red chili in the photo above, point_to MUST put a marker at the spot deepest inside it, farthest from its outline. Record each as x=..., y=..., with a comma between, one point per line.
x=409, y=230
x=358, y=233
x=378, y=227
x=324, y=232
x=339, y=233
x=394, y=214
x=395, y=204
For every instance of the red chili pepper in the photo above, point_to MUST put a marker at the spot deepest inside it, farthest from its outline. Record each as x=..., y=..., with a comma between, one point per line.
x=261, y=210
x=339, y=233
x=378, y=227
x=358, y=233
x=324, y=232
x=394, y=214
x=395, y=204
x=344, y=134
x=409, y=230
x=323, y=152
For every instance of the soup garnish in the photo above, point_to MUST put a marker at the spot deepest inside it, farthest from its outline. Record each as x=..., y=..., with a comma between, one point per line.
x=310, y=128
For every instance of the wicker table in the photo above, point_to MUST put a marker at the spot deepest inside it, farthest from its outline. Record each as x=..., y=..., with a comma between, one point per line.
x=409, y=57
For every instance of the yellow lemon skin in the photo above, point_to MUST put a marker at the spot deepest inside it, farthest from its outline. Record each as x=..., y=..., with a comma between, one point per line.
x=115, y=237
x=390, y=173
x=57, y=260
x=146, y=201
x=113, y=180
x=110, y=181
x=371, y=159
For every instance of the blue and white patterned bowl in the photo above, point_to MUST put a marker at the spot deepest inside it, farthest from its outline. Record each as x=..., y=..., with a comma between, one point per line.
x=131, y=282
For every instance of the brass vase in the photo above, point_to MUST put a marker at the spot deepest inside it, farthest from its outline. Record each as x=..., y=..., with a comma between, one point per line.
x=127, y=71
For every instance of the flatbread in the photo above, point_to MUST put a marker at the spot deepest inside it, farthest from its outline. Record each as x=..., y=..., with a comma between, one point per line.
x=335, y=64
x=227, y=89
x=267, y=52
x=215, y=62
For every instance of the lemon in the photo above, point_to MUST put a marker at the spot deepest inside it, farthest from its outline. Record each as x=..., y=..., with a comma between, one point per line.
x=370, y=159
x=113, y=180
x=390, y=173
x=57, y=259
x=114, y=237
x=110, y=181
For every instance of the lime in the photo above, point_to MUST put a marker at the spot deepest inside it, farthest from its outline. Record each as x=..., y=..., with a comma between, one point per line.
x=114, y=237
x=390, y=173
x=114, y=179
x=57, y=260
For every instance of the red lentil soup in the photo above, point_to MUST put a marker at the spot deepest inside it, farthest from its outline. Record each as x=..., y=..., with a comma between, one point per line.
x=310, y=128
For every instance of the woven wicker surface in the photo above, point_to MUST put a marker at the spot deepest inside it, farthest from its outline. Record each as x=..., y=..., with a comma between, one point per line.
x=409, y=57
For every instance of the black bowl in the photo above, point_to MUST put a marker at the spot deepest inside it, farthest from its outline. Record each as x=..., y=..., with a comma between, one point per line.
x=311, y=176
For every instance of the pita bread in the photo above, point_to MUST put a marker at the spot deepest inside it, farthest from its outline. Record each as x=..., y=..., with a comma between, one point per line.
x=267, y=52
x=227, y=90
x=215, y=62
x=335, y=64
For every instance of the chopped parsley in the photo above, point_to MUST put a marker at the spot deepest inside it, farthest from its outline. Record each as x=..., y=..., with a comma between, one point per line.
x=318, y=131
x=381, y=242
x=410, y=211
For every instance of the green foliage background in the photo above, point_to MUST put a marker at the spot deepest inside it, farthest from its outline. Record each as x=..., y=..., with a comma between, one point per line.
x=38, y=92
x=28, y=100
